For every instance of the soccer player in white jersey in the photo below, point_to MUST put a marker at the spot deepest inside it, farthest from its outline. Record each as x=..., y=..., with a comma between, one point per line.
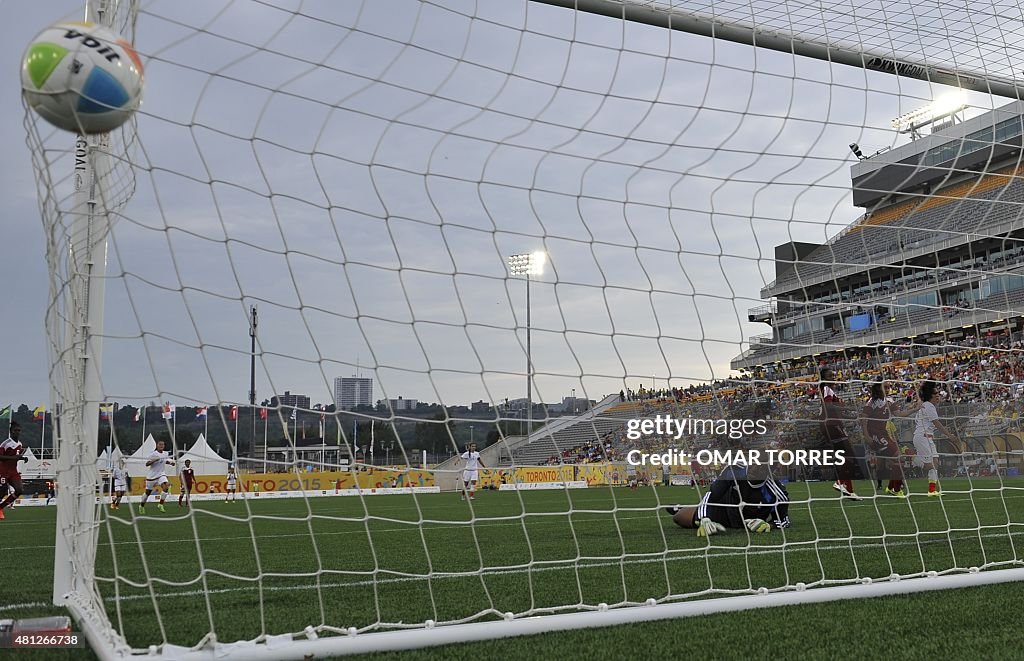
x=157, y=463
x=119, y=484
x=927, y=421
x=470, y=473
x=232, y=484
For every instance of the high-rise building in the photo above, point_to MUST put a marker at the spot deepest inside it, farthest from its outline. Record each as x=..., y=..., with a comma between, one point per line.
x=352, y=391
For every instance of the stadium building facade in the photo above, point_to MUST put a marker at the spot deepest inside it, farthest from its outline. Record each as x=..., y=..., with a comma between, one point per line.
x=936, y=259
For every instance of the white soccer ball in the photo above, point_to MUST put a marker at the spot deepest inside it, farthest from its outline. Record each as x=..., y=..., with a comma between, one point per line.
x=82, y=77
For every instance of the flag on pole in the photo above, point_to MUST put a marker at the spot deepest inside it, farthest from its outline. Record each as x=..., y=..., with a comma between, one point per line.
x=294, y=416
x=5, y=413
x=138, y=415
x=233, y=413
x=323, y=421
x=201, y=413
x=263, y=413
x=39, y=413
x=106, y=411
x=168, y=411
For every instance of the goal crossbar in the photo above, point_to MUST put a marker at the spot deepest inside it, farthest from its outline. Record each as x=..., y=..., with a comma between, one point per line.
x=694, y=23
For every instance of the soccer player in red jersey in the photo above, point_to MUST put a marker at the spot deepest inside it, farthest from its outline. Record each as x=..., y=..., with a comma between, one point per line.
x=11, y=452
x=188, y=480
x=832, y=417
x=696, y=474
x=875, y=423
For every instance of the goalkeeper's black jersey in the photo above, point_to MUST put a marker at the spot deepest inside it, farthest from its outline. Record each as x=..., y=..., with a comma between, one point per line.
x=766, y=500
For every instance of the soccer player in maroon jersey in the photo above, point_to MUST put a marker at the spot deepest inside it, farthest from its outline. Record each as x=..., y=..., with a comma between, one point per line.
x=832, y=418
x=11, y=452
x=696, y=473
x=875, y=423
x=188, y=480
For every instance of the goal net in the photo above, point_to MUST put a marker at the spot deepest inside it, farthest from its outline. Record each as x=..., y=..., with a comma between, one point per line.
x=341, y=242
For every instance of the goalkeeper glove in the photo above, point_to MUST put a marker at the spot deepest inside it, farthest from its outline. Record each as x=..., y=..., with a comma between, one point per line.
x=707, y=528
x=757, y=525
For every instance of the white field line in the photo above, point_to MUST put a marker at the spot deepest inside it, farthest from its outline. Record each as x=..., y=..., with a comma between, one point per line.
x=30, y=604
x=534, y=519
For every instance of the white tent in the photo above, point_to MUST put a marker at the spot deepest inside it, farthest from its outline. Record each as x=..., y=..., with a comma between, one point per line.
x=204, y=460
x=108, y=458
x=136, y=463
x=36, y=467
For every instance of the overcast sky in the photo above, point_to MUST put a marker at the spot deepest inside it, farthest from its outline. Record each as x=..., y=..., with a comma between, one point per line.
x=361, y=171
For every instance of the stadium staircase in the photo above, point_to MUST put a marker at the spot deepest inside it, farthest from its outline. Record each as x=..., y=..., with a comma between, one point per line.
x=501, y=454
x=567, y=433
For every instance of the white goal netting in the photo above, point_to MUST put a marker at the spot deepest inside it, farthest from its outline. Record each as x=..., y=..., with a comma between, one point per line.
x=361, y=173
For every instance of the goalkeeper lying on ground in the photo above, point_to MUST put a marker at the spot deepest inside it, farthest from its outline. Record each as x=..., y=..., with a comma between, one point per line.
x=765, y=503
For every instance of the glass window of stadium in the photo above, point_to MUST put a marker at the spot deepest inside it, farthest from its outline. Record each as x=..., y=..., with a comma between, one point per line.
x=1006, y=283
x=924, y=298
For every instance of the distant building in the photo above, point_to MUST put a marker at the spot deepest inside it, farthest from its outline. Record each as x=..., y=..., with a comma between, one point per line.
x=352, y=391
x=575, y=404
x=403, y=404
x=515, y=404
x=480, y=407
x=290, y=401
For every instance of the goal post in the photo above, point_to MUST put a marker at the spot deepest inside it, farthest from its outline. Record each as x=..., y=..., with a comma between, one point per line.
x=77, y=365
x=376, y=181
x=77, y=212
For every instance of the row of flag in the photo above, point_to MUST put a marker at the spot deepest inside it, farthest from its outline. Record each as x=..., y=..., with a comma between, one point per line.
x=7, y=413
x=168, y=413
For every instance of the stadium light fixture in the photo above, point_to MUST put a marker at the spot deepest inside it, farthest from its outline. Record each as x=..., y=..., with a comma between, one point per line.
x=528, y=264
x=945, y=106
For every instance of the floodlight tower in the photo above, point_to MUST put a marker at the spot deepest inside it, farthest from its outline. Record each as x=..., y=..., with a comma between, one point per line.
x=528, y=264
x=948, y=105
x=253, y=323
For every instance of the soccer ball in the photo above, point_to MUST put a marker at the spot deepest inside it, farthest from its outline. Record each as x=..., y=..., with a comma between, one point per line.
x=82, y=77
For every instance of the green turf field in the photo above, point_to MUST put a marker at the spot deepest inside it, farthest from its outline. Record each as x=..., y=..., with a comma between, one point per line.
x=274, y=566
